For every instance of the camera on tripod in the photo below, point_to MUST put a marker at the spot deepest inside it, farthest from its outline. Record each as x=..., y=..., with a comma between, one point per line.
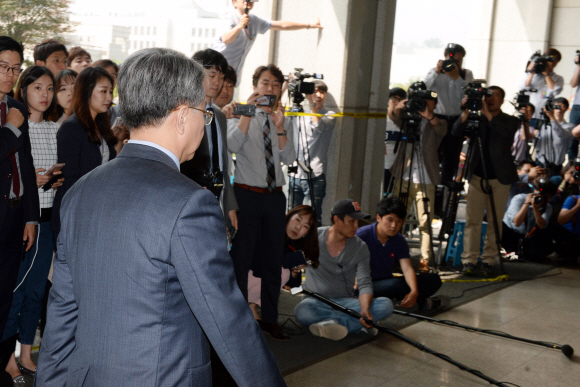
x=540, y=62
x=475, y=93
x=297, y=87
x=522, y=99
x=418, y=96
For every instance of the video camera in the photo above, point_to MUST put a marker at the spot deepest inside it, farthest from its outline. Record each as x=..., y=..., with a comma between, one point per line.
x=540, y=62
x=418, y=96
x=475, y=93
x=522, y=99
x=550, y=104
x=297, y=87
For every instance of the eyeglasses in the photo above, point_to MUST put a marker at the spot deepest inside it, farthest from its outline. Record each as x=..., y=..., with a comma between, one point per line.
x=16, y=70
x=207, y=115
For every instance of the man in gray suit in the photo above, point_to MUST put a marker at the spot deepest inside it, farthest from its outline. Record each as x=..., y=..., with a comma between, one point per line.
x=211, y=158
x=142, y=276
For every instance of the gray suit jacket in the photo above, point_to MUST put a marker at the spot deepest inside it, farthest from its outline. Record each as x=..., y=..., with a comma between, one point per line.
x=142, y=280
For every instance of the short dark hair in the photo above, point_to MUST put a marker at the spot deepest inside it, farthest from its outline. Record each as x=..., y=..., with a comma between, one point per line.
x=231, y=75
x=45, y=49
x=211, y=59
x=550, y=188
x=76, y=52
x=501, y=91
x=320, y=85
x=340, y=216
x=525, y=104
x=30, y=75
x=524, y=162
x=272, y=68
x=456, y=49
x=553, y=52
x=9, y=44
x=104, y=63
x=392, y=205
x=563, y=101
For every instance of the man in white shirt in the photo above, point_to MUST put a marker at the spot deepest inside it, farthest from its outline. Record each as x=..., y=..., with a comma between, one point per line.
x=547, y=83
x=448, y=79
x=241, y=29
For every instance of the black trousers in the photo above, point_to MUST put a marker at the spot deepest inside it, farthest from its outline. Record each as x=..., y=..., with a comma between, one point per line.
x=449, y=151
x=11, y=253
x=261, y=225
x=397, y=288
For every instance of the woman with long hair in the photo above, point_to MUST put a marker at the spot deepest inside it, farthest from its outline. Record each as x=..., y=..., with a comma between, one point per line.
x=301, y=235
x=64, y=86
x=35, y=90
x=85, y=140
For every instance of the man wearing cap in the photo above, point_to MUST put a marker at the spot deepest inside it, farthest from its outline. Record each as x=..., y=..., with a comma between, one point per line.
x=343, y=276
x=392, y=134
x=242, y=29
x=311, y=140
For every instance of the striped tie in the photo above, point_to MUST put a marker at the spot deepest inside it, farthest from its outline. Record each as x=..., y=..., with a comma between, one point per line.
x=271, y=178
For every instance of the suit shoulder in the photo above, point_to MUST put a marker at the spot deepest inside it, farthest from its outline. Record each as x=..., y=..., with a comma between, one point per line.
x=12, y=102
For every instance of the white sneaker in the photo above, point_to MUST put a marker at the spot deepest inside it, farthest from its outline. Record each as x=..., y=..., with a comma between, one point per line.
x=329, y=329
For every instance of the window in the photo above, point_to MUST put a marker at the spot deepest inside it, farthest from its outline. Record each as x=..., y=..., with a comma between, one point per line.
x=193, y=32
x=206, y=32
x=134, y=45
x=148, y=30
x=141, y=45
x=199, y=33
x=142, y=30
x=154, y=30
x=213, y=33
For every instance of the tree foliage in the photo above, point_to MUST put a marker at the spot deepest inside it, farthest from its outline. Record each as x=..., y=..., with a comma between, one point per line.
x=32, y=21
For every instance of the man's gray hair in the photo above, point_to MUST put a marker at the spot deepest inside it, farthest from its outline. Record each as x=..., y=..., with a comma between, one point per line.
x=153, y=82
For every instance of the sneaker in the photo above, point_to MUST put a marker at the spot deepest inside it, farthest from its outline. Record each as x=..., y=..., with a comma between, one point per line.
x=371, y=331
x=468, y=269
x=423, y=267
x=436, y=302
x=329, y=329
x=486, y=269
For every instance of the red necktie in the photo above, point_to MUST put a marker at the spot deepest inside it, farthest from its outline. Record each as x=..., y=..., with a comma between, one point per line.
x=15, y=175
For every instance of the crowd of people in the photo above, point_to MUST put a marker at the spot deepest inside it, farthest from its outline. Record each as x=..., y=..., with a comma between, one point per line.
x=142, y=197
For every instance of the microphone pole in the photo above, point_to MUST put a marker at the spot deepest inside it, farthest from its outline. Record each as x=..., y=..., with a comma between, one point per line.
x=400, y=336
x=566, y=349
x=246, y=11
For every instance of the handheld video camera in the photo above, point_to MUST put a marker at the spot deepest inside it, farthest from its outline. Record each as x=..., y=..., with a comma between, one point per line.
x=475, y=93
x=418, y=96
x=451, y=63
x=540, y=62
x=521, y=99
x=297, y=87
x=550, y=104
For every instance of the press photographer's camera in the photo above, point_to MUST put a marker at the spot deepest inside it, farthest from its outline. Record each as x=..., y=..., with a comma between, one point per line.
x=297, y=87
x=542, y=196
x=451, y=63
x=550, y=105
x=576, y=174
x=540, y=62
x=418, y=96
x=475, y=93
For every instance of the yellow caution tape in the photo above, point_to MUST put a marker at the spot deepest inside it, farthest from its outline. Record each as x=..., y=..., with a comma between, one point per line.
x=353, y=115
x=504, y=277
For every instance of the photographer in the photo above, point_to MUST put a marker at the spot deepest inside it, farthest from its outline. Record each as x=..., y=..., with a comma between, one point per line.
x=575, y=111
x=520, y=148
x=260, y=143
x=496, y=131
x=553, y=143
x=425, y=164
x=448, y=79
x=311, y=144
x=547, y=83
x=392, y=135
x=242, y=29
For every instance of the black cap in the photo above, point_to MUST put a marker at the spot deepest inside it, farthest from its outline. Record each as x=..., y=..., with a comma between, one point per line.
x=397, y=92
x=349, y=207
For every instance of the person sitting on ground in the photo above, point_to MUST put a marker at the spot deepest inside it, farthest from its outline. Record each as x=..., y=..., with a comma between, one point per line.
x=527, y=171
x=520, y=148
x=344, y=258
x=301, y=236
x=387, y=246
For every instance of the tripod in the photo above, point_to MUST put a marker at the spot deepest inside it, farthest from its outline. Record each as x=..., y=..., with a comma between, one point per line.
x=411, y=135
x=473, y=131
x=547, y=143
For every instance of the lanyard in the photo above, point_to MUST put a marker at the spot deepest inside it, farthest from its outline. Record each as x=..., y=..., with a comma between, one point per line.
x=245, y=30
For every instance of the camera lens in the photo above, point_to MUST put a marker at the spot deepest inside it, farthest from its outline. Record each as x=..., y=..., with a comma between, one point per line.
x=538, y=199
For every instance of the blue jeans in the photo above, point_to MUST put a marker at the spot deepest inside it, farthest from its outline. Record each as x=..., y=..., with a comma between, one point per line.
x=574, y=119
x=301, y=190
x=27, y=300
x=311, y=311
x=397, y=288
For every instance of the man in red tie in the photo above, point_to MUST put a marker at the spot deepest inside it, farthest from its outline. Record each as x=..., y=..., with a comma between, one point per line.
x=19, y=205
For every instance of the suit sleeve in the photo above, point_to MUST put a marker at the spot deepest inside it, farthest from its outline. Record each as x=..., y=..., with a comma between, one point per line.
x=205, y=271
x=8, y=142
x=69, y=152
x=58, y=341
x=30, y=200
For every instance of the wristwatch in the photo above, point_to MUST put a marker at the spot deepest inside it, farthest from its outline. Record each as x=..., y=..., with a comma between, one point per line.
x=285, y=132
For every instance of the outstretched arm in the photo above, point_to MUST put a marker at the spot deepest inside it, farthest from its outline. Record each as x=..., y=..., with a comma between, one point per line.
x=282, y=25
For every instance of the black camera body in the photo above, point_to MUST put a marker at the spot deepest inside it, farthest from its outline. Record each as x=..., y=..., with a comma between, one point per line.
x=297, y=87
x=577, y=57
x=540, y=62
x=475, y=93
x=576, y=174
x=550, y=105
x=418, y=96
x=541, y=197
x=449, y=65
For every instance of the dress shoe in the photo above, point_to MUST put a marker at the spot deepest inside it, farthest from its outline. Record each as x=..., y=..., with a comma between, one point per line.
x=25, y=371
x=273, y=330
x=19, y=381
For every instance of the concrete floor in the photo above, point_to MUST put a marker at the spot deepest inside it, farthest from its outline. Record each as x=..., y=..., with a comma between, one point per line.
x=546, y=309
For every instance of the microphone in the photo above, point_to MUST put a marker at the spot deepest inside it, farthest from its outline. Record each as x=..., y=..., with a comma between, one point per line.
x=567, y=350
x=246, y=11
